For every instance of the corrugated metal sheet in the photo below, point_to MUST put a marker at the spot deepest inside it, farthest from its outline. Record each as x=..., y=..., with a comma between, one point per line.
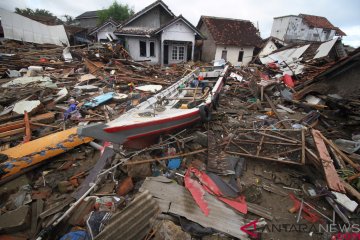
x=134, y=222
x=21, y=28
x=325, y=48
x=175, y=199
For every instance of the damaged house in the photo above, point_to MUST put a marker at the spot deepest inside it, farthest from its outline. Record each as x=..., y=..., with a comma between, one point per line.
x=233, y=40
x=105, y=31
x=88, y=20
x=156, y=35
x=304, y=27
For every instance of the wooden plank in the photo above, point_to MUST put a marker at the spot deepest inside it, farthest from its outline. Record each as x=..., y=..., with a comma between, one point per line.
x=332, y=178
x=27, y=127
x=284, y=123
x=165, y=158
x=263, y=158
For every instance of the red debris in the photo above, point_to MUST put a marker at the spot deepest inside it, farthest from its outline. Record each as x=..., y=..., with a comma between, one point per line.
x=196, y=191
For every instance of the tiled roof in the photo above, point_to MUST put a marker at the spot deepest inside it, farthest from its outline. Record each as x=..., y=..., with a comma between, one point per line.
x=109, y=21
x=320, y=22
x=226, y=31
x=135, y=31
x=88, y=14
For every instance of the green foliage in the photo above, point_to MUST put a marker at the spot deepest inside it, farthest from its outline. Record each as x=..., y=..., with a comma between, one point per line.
x=116, y=11
x=68, y=19
x=36, y=12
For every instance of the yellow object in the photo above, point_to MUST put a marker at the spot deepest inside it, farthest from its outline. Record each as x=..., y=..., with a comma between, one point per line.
x=28, y=154
x=183, y=106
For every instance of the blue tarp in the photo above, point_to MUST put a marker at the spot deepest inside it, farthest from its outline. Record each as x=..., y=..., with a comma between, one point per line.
x=96, y=101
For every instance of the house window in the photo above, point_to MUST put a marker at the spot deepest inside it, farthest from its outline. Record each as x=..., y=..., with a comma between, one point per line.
x=181, y=53
x=152, y=49
x=241, y=56
x=224, y=55
x=142, y=49
x=174, y=53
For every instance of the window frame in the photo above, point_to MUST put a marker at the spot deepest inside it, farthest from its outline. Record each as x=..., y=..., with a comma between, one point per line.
x=241, y=53
x=153, y=50
x=140, y=48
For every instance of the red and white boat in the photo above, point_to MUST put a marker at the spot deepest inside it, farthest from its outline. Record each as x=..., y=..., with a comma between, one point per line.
x=179, y=105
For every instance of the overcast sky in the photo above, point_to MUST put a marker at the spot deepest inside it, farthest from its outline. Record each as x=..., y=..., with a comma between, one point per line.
x=344, y=14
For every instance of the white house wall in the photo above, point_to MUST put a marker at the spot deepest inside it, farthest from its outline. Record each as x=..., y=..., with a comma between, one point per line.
x=21, y=28
x=179, y=31
x=101, y=34
x=269, y=48
x=133, y=45
x=279, y=27
x=294, y=28
x=233, y=54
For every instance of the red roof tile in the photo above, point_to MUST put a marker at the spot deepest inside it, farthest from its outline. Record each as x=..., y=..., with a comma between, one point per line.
x=226, y=31
x=320, y=22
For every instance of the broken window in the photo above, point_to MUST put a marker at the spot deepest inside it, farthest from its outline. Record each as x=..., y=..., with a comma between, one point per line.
x=224, y=55
x=152, y=49
x=181, y=53
x=241, y=56
x=142, y=49
x=174, y=53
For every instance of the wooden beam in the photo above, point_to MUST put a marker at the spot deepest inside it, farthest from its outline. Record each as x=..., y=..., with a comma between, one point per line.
x=273, y=108
x=165, y=158
x=263, y=158
x=332, y=178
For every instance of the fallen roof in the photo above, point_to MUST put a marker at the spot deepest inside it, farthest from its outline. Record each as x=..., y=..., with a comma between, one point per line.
x=228, y=31
x=134, y=222
x=20, y=28
x=176, y=199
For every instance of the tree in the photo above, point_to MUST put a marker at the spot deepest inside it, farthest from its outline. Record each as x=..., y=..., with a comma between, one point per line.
x=116, y=11
x=37, y=12
x=68, y=19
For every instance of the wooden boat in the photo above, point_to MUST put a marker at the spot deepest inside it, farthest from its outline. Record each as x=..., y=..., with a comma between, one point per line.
x=179, y=105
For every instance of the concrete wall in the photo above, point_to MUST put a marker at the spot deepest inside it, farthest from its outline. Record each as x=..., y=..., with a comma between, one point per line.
x=233, y=54
x=268, y=48
x=208, y=47
x=280, y=26
x=151, y=19
x=132, y=44
x=293, y=28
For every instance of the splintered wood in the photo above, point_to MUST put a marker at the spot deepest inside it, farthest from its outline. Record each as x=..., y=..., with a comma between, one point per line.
x=332, y=178
x=282, y=145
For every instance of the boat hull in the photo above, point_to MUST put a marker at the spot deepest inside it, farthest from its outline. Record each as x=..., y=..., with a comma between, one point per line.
x=135, y=132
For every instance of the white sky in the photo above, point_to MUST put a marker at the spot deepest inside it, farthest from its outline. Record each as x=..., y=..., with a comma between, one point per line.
x=344, y=14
